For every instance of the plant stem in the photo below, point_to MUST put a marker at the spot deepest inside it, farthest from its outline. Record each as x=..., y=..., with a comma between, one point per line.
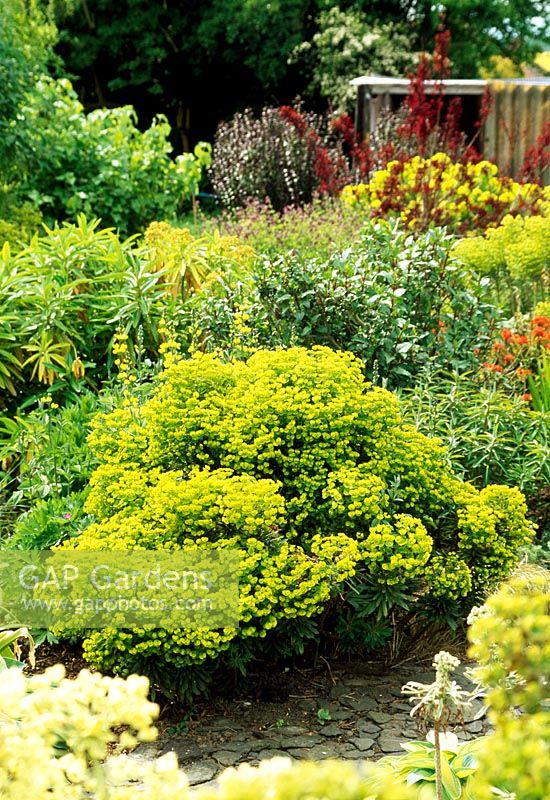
x=438, y=778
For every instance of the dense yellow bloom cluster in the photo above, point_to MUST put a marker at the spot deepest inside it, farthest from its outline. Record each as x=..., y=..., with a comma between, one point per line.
x=519, y=247
x=188, y=263
x=310, y=472
x=423, y=191
x=448, y=576
x=397, y=552
x=511, y=640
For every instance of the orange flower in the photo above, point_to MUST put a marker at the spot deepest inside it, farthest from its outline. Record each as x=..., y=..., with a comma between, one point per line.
x=527, y=397
x=540, y=333
x=543, y=322
x=522, y=372
x=506, y=334
x=508, y=358
x=499, y=346
x=519, y=338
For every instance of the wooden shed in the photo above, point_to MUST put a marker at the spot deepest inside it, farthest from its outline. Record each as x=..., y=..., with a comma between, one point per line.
x=520, y=110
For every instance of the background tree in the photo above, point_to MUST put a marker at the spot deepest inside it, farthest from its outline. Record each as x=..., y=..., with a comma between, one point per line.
x=201, y=62
x=27, y=36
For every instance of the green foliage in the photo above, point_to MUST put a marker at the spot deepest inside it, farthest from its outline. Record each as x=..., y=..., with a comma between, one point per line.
x=509, y=637
x=27, y=36
x=44, y=453
x=19, y=220
x=347, y=44
x=101, y=164
x=539, y=386
x=515, y=255
x=49, y=522
x=310, y=472
x=316, y=230
x=62, y=298
x=490, y=437
x=399, y=303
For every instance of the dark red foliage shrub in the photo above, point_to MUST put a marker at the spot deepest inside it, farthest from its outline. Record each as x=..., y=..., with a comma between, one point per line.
x=537, y=158
x=287, y=156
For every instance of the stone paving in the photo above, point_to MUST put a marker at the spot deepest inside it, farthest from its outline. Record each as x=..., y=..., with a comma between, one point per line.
x=366, y=717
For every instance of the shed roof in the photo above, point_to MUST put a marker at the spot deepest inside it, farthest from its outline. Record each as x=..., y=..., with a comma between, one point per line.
x=378, y=84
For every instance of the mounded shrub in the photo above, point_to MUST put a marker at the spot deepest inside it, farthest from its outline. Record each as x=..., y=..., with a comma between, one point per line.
x=515, y=255
x=400, y=302
x=296, y=460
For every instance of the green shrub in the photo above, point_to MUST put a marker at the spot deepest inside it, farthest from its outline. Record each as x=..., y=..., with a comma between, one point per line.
x=101, y=164
x=19, y=220
x=27, y=38
x=490, y=437
x=398, y=302
x=510, y=639
x=45, y=466
x=49, y=522
x=516, y=256
x=61, y=301
x=312, y=474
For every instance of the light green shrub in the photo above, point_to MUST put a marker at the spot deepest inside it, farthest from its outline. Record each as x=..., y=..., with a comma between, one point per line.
x=515, y=255
x=101, y=164
x=298, y=462
x=510, y=637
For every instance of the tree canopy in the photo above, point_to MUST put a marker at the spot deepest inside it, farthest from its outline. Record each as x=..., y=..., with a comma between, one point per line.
x=201, y=61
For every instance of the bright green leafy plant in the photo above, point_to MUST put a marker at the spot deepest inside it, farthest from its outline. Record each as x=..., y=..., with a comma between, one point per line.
x=398, y=302
x=311, y=473
x=102, y=165
x=63, y=296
